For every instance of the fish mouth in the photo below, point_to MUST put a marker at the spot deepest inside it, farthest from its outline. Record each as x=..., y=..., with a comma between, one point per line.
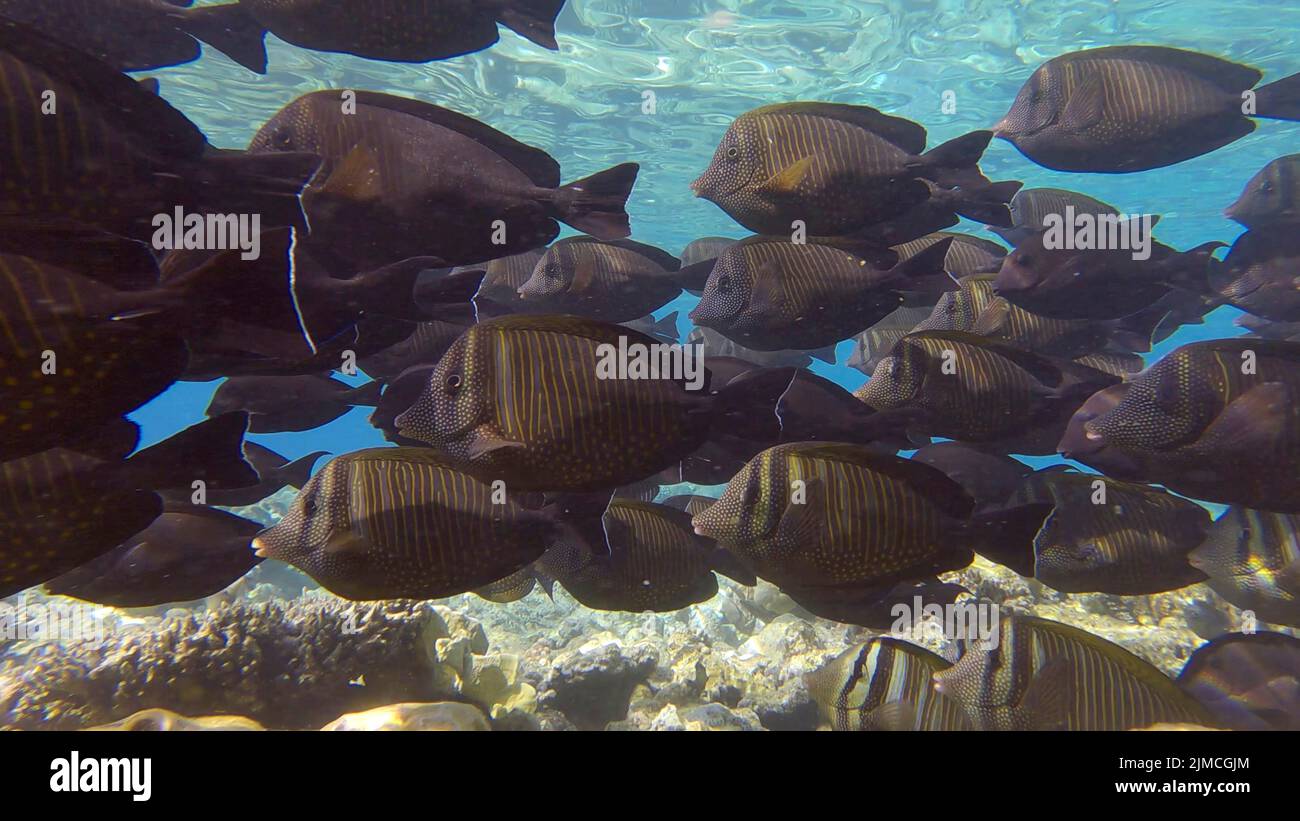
x=1002, y=129
x=697, y=187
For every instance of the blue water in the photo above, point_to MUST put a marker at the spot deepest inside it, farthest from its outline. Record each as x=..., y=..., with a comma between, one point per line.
x=708, y=61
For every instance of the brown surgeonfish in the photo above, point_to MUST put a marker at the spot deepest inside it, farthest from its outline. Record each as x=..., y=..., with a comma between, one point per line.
x=841, y=168
x=115, y=155
x=1253, y=560
x=274, y=472
x=1216, y=420
x=989, y=478
x=715, y=344
x=966, y=256
x=402, y=178
x=404, y=523
x=1248, y=681
x=63, y=507
x=512, y=588
x=771, y=294
x=1271, y=197
x=188, y=553
x=1044, y=675
x=885, y=684
x=560, y=403
x=1121, y=109
x=979, y=391
x=141, y=35
x=505, y=276
x=837, y=525
x=655, y=562
x=615, y=281
x=276, y=404
x=1108, y=536
x=404, y=31
x=1261, y=274
x=1031, y=208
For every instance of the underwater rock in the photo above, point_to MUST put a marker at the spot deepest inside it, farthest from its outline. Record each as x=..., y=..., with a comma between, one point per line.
x=166, y=720
x=295, y=666
x=592, y=685
x=441, y=716
x=789, y=708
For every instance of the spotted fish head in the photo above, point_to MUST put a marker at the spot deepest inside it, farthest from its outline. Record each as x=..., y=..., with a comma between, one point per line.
x=1270, y=196
x=737, y=164
x=1037, y=106
x=297, y=127
x=897, y=380
x=1168, y=405
x=454, y=403
x=726, y=294
x=1026, y=268
x=315, y=534
x=552, y=275
x=747, y=511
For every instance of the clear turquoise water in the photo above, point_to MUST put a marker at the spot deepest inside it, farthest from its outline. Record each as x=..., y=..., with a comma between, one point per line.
x=707, y=61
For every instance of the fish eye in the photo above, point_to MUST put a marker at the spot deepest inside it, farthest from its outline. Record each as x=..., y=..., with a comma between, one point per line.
x=724, y=283
x=1266, y=186
x=309, y=506
x=282, y=138
x=733, y=153
x=453, y=383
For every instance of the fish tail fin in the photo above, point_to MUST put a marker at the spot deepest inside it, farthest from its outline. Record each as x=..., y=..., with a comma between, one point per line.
x=296, y=473
x=726, y=563
x=1191, y=269
x=211, y=452
x=695, y=277
x=748, y=406
x=229, y=29
x=986, y=203
x=453, y=297
x=1007, y=536
x=1280, y=100
x=956, y=162
x=533, y=20
x=930, y=262
x=366, y=395
x=269, y=185
x=597, y=204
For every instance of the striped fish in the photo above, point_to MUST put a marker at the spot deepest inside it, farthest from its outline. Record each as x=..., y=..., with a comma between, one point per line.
x=1253, y=560
x=62, y=507
x=1123, y=109
x=826, y=522
x=65, y=367
x=655, y=562
x=537, y=401
x=1260, y=274
x=838, y=169
x=1031, y=207
x=505, y=276
x=974, y=389
x=403, y=523
x=772, y=294
x=885, y=684
x=957, y=310
x=1043, y=675
x=1216, y=420
x=405, y=31
x=715, y=344
x=615, y=281
x=1108, y=536
x=878, y=340
x=1249, y=681
x=113, y=154
x=1271, y=197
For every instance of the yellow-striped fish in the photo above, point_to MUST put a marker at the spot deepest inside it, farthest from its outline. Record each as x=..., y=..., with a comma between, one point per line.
x=1122, y=109
x=404, y=523
x=544, y=403
x=615, y=281
x=885, y=684
x=1253, y=560
x=1043, y=675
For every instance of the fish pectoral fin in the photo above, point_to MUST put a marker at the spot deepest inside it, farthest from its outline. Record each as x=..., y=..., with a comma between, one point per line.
x=993, y=319
x=788, y=179
x=486, y=443
x=1050, y=696
x=799, y=520
x=896, y=716
x=344, y=542
x=1086, y=105
x=356, y=177
x=1256, y=420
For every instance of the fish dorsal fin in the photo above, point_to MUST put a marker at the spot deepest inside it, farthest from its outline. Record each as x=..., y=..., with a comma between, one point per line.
x=658, y=256
x=930, y=482
x=903, y=133
x=540, y=167
x=356, y=177
x=592, y=329
x=344, y=541
x=1231, y=77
